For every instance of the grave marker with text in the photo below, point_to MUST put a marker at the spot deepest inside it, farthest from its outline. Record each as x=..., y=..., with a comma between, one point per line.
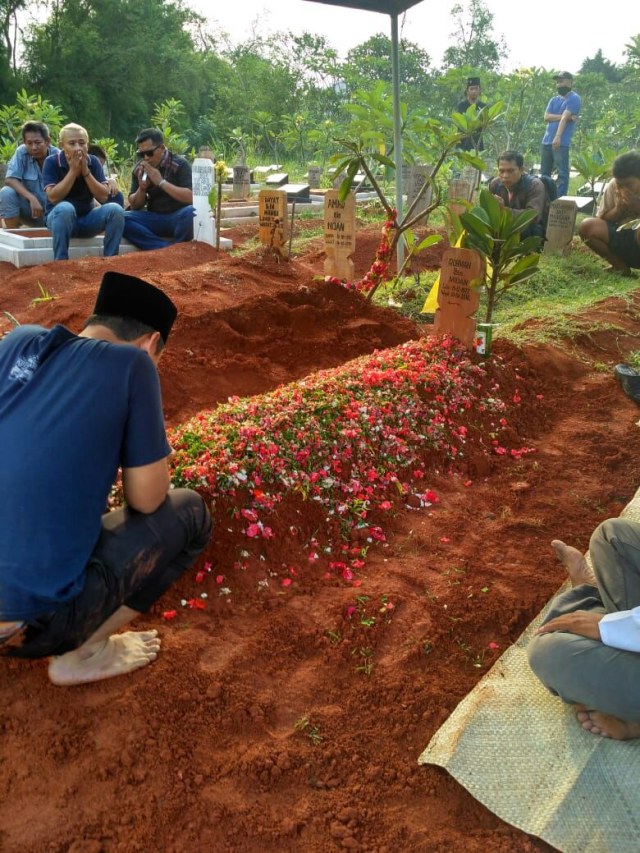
x=457, y=298
x=274, y=222
x=560, y=227
x=339, y=235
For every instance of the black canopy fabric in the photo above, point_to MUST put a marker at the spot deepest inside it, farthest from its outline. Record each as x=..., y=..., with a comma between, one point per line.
x=387, y=7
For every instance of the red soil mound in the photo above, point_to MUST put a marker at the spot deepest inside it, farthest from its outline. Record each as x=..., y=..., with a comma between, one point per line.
x=270, y=722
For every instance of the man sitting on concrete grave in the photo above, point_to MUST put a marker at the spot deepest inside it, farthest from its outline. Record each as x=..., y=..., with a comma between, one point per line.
x=22, y=199
x=161, y=198
x=587, y=651
x=73, y=181
x=473, y=142
x=620, y=203
x=518, y=191
x=114, y=190
x=78, y=407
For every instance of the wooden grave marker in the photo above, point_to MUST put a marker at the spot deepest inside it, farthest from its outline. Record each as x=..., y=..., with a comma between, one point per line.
x=339, y=235
x=560, y=227
x=457, y=299
x=274, y=221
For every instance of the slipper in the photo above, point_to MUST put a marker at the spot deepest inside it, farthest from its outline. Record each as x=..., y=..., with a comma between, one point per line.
x=629, y=380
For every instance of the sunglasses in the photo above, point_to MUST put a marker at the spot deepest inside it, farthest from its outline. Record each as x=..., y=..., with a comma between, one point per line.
x=148, y=153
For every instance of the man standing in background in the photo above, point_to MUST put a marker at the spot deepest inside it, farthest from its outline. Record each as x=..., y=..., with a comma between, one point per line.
x=561, y=116
x=473, y=142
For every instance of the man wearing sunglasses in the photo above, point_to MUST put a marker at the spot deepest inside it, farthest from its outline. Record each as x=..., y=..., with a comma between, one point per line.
x=161, y=199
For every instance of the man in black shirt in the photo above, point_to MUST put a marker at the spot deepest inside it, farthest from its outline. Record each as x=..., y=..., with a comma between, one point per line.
x=161, y=198
x=473, y=142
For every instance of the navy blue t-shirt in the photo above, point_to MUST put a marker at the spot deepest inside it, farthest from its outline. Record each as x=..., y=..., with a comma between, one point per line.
x=72, y=410
x=55, y=168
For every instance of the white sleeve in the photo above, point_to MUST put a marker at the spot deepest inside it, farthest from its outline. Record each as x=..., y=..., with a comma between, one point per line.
x=621, y=630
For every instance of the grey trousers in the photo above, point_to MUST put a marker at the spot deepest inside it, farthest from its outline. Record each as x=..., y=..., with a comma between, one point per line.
x=584, y=671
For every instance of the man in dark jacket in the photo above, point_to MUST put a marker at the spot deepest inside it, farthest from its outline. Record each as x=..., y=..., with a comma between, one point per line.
x=518, y=191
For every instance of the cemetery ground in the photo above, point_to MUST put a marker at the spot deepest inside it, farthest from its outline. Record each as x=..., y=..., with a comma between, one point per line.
x=287, y=709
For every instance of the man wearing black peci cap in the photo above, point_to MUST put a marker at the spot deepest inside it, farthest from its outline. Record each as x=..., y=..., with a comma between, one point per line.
x=74, y=409
x=561, y=116
x=473, y=142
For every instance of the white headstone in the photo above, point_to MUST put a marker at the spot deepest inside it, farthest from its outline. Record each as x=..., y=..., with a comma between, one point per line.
x=204, y=226
x=560, y=227
x=416, y=178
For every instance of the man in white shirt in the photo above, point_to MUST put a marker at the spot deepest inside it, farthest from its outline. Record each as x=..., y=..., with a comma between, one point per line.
x=587, y=651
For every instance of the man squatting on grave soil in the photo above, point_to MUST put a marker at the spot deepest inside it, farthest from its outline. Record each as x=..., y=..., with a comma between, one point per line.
x=73, y=409
x=620, y=203
x=587, y=651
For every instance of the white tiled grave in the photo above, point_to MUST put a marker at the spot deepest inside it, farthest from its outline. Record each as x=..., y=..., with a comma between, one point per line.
x=27, y=247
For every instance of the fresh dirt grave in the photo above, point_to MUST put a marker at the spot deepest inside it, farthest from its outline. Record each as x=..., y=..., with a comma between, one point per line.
x=274, y=720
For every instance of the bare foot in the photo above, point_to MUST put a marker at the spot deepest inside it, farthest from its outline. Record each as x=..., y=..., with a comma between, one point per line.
x=8, y=629
x=604, y=725
x=119, y=654
x=623, y=271
x=575, y=563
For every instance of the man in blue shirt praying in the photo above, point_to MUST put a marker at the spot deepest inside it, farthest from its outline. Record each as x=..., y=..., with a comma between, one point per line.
x=73, y=410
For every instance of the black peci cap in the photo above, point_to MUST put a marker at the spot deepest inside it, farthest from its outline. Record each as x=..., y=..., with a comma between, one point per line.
x=123, y=295
x=473, y=81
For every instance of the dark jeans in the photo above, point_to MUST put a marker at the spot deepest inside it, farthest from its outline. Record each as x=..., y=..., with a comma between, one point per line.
x=148, y=230
x=137, y=558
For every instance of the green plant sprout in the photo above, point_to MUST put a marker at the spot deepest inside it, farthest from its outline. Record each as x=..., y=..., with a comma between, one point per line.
x=304, y=725
x=45, y=296
x=366, y=667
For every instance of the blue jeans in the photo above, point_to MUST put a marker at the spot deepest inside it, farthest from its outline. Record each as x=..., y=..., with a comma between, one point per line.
x=148, y=230
x=64, y=223
x=13, y=205
x=557, y=158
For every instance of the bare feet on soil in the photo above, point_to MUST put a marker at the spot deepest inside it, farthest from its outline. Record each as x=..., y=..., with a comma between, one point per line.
x=575, y=563
x=118, y=655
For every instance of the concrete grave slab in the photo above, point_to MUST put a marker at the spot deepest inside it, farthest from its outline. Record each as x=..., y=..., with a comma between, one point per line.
x=277, y=180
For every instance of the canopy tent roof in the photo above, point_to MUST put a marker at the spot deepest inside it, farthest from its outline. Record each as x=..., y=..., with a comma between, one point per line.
x=387, y=7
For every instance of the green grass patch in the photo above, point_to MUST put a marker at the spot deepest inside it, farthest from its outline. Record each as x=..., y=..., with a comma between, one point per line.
x=562, y=287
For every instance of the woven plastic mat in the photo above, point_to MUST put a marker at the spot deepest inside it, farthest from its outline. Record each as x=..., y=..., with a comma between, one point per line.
x=520, y=752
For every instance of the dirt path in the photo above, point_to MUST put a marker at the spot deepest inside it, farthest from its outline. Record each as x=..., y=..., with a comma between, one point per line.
x=270, y=723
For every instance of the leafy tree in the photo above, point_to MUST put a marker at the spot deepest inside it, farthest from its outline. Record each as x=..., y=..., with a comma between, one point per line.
x=475, y=45
x=26, y=108
x=371, y=61
x=9, y=30
x=599, y=65
x=108, y=61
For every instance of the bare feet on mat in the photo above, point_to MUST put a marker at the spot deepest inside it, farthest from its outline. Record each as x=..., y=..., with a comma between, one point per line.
x=575, y=563
x=120, y=654
x=604, y=725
